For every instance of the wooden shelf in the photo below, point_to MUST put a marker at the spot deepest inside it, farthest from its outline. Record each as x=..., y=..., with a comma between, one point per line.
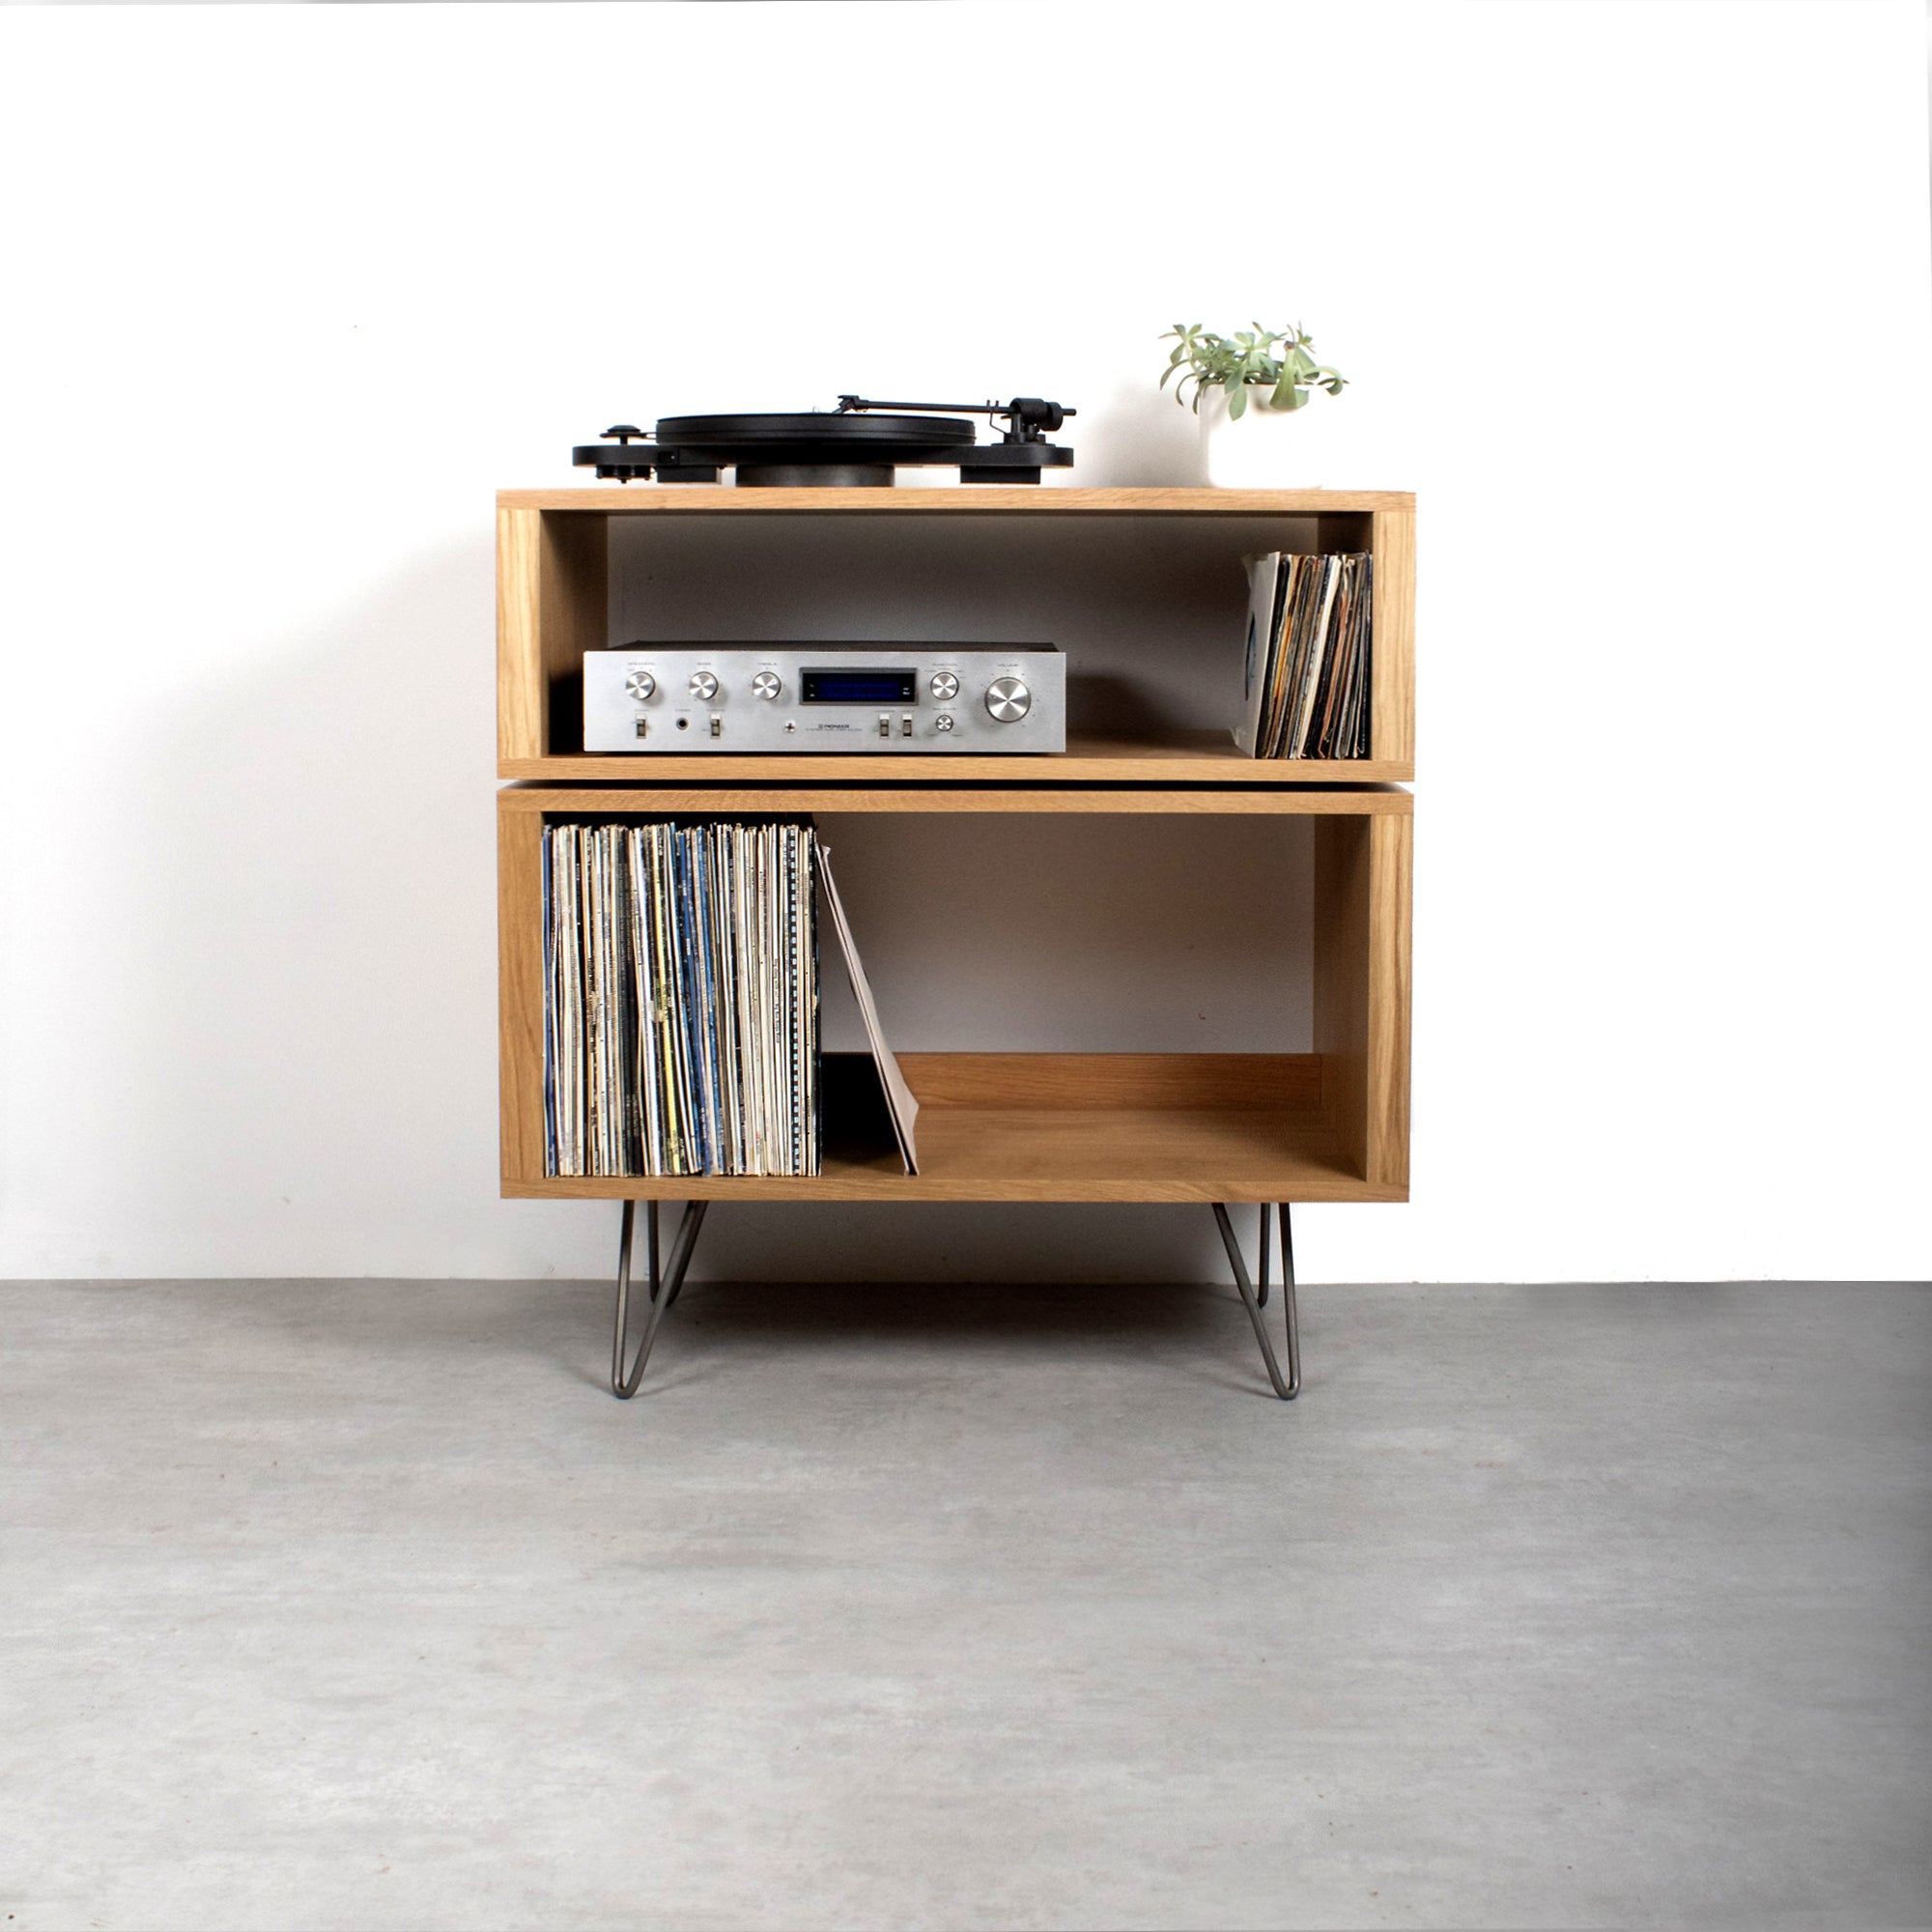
x=1175, y=757
x=1327, y=1125
x=803, y=797
x=643, y=499
x=1068, y=1127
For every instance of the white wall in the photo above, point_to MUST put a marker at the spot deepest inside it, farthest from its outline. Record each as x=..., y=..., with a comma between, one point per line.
x=1636, y=295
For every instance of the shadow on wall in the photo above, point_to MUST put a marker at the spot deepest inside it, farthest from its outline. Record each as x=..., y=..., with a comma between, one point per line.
x=306, y=927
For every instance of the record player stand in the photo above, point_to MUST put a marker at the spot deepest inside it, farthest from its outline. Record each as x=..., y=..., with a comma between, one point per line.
x=1329, y=1123
x=665, y=1284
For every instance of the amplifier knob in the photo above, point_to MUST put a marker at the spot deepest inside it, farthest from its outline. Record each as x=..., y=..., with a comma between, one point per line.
x=703, y=684
x=766, y=684
x=1008, y=701
x=945, y=685
x=944, y=722
x=640, y=684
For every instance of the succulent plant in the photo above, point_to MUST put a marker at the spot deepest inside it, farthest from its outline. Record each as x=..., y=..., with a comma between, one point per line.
x=1275, y=359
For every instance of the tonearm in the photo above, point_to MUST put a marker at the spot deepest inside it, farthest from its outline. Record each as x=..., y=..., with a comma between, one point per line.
x=1026, y=416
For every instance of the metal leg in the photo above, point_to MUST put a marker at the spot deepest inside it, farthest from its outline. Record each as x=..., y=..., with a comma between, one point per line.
x=1287, y=1303
x=1287, y=1389
x=663, y=1285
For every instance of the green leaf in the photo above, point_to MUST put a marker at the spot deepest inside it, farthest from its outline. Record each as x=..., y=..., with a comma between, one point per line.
x=1277, y=364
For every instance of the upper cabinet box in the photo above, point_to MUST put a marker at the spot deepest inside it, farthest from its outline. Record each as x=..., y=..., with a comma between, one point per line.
x=1141, y=588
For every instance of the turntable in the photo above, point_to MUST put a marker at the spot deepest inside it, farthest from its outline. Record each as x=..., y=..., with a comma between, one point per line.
x=849, y=446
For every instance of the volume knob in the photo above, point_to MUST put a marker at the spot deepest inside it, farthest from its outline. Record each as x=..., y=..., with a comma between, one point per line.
x=703, y=684
x=640, y=684
x=766, y=684
x=1008, y=701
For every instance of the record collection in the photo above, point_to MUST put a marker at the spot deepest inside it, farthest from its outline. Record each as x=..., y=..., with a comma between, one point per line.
x=1307, y=674
x=680, y=998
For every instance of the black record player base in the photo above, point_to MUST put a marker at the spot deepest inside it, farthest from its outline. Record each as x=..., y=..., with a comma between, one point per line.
x=803, y=475
x=849, y=449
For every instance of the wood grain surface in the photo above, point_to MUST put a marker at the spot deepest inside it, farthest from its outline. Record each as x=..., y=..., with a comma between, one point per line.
x=1066, y=1127
x=1199, y=800
x=520, y=995
x=643, y=499
x=1175, y=757
x=1392, y=639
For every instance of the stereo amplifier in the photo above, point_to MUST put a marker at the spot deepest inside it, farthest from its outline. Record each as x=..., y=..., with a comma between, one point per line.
x=825, y=698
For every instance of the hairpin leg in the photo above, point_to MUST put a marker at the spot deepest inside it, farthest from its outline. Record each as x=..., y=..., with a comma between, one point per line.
x=1287, y=1389
x=663, y=1285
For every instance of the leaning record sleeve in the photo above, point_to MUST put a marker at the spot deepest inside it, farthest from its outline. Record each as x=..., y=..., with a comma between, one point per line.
x=1263, y=574
x=901, y=1102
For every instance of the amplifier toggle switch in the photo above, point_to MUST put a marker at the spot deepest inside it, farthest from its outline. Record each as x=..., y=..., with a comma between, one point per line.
x=703, y=685
x=766, y=684
x=717, y=725
x=885, y=723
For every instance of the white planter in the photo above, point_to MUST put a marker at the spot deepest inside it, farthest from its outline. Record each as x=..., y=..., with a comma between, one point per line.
x=1273, y=449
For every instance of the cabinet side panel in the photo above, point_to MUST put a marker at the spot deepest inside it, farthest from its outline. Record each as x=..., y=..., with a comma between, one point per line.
x=1342, y=980
x=520, y=681
x=519, y=993
x=1392, y=636
x=1391, y=863
x=576, y=616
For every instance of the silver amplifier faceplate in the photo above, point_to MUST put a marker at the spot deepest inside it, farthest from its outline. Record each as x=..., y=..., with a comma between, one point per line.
x=825, y=698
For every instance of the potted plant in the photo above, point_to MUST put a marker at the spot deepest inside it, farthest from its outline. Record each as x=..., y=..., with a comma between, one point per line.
x=1262, y=375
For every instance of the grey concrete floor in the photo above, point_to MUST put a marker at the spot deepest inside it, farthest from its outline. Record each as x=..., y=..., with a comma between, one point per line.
x=360, y=1605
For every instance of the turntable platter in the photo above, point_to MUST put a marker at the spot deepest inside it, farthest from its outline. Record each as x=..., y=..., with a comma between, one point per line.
x=714, y=432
